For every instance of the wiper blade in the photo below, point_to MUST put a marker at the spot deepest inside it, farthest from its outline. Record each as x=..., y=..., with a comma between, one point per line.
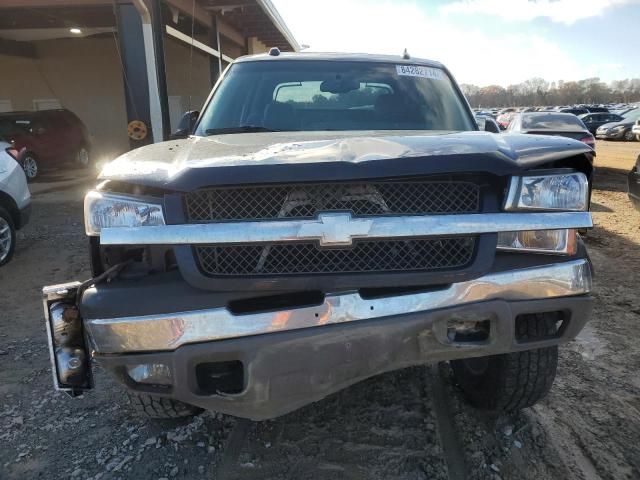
x=242, y=129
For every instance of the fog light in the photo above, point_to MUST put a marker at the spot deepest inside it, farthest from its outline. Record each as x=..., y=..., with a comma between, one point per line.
x=150, y=373
x=541, y=241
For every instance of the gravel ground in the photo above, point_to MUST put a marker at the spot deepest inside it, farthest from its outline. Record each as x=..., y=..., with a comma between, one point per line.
x=411, y=424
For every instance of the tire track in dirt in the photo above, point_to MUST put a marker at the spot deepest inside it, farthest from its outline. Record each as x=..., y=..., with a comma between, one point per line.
x=449, y=440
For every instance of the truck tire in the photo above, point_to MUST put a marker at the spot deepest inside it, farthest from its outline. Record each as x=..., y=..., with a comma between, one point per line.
x=511, y=381
x=160, y=407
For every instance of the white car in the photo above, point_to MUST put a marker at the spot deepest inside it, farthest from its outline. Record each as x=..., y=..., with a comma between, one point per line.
x=15, y=200
x=636, y=130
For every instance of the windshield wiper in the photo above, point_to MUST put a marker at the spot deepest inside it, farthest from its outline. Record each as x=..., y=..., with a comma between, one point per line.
x=242, y=129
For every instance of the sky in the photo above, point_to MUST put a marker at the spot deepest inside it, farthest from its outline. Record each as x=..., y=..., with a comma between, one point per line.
x=482, y=42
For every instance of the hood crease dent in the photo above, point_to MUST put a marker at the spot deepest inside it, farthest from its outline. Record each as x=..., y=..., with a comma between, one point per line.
x=268, y=157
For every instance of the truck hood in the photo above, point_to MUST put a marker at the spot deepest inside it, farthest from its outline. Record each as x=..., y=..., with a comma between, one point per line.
x=184, y=165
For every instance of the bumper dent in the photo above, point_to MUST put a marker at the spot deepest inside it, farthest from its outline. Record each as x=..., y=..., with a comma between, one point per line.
x=167, y=332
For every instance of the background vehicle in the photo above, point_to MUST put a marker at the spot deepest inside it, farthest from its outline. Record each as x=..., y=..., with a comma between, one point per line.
x=574, y=111
x=558, y=124
x=15, y=200
x=620, y=130
x=504, y=119
x=636, y=130
x=597, y=109
x=49, y=139
x=595, y=120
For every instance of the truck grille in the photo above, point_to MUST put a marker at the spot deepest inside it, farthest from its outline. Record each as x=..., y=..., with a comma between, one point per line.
x=307, y=200
x=368, y=256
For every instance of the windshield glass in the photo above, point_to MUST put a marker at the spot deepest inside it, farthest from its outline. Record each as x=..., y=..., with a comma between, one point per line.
x=333, y=95
x=552, y=121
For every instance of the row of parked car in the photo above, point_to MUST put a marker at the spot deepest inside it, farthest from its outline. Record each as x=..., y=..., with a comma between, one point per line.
x=621, y=123
x=45, y=139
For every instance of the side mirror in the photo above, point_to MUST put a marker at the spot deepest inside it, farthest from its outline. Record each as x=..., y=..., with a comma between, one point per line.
x=185, y=127
x=482, y=123
x=490, y=126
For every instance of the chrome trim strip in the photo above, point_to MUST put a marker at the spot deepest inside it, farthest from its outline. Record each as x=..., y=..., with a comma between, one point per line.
x=170, y=331
x=378, y=228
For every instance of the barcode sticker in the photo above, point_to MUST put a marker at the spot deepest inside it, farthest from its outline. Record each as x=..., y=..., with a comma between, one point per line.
x=419, y=71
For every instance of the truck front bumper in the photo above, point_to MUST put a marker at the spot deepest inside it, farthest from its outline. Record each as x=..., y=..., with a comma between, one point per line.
x=282, y=360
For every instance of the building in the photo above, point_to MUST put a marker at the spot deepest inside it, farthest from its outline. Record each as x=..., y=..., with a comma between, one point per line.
x=114, y=62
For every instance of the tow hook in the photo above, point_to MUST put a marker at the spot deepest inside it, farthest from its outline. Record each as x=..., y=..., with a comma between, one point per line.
x=70, y=362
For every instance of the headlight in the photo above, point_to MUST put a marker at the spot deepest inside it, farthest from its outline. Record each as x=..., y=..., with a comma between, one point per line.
x=540, y=241
x=569, y=192
x=619, y=128
x=105, y=210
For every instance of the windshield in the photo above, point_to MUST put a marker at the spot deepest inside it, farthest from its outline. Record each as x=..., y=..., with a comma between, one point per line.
x=550, y=121
x=333, y=95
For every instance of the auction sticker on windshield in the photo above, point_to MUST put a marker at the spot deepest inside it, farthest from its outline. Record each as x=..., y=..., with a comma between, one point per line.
x=419, y=71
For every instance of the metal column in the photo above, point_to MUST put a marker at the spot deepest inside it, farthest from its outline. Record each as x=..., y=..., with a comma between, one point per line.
x=158, y=42
x=134, y=73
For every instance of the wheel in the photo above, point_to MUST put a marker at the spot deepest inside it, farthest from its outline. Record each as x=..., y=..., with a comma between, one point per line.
x=511, y=381
x=7, y=236
x=30, y=165
x=629, y=136
x=83, y=158
x=160, y=407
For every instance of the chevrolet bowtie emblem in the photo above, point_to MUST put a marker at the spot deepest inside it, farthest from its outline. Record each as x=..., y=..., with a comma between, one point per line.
x=335, y=229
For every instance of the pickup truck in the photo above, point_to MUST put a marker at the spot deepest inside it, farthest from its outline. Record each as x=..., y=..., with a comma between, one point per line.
x=331, y=217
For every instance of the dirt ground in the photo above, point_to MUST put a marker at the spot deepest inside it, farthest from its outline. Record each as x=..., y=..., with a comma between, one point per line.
x=410, y=424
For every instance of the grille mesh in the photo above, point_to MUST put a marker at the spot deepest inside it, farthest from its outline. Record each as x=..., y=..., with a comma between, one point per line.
x=364, y=256
x=305, y=201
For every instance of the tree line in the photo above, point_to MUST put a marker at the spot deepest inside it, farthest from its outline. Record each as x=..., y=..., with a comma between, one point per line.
x=539, y=92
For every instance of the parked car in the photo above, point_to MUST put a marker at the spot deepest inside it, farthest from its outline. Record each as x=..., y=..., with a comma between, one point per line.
x=49, y=138
x=333, y=217
x=552, y=123
x=574, y=111
x=597, y=109
x=595, y=120
x=504, y=119
x=636, y=130
x=634, y=184
x=621, y=130
x=15, y=200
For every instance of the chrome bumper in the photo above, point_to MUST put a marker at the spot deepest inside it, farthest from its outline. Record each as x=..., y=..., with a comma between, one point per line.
x=167, y=332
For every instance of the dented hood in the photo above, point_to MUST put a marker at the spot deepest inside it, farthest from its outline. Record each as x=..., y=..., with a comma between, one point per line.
x=246, y=158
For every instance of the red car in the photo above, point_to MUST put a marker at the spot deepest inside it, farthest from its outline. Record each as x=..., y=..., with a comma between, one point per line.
x=46, y=138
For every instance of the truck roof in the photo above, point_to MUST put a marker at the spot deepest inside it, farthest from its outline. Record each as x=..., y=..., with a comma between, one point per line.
x=339, y=57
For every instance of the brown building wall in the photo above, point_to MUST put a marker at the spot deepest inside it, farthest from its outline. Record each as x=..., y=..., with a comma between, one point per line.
x=188, y=78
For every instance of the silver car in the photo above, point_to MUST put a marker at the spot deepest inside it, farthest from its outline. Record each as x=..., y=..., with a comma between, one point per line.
x=15, y=200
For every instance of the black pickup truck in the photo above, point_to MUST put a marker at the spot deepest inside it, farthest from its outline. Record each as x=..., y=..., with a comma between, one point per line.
x=332, y=217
